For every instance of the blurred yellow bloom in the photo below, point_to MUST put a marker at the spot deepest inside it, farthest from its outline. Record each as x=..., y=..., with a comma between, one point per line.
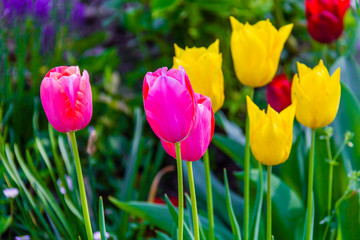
x=271, y=133
x=256, y=50
x=317, y=95
x=203, y=67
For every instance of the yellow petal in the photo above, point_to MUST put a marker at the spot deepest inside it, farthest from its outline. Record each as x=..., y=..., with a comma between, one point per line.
x=214, y=47
x=235, y=24
x=178, y=50
x=285, y=31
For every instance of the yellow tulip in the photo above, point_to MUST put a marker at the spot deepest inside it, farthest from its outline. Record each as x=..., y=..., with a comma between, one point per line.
x=317, y=95
x=271, y=133
x=203, y=67
x=256, y=50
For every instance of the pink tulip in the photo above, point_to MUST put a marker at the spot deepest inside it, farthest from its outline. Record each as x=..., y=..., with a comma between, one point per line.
x=169, y=103
x=66, y=98
x=194, y=146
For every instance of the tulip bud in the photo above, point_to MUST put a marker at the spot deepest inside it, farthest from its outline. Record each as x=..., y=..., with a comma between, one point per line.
x=256, y=50
x=317, y=95
x=194, y=146
x=169, y=103
x=278, y=93
x=203, y=66
x=325, y=19
x=66, y=98
x=271, y=133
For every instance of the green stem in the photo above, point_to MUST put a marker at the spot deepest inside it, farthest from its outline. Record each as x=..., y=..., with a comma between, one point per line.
x=209, y=195
x=268, y=204
x=310, y=188
x=331, y=170
x=180, y=191
x=84, y=204
x=193, y=200
x=247, y=175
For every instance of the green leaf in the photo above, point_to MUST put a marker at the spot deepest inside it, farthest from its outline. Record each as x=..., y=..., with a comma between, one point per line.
x=348, y=119
x=234, y=223
x=175, y=216
x=219, y=197
x=230, y=147
x=287, y=207
x=5, y=223
x=348, y=216
x=102, y=219
x=158, y=215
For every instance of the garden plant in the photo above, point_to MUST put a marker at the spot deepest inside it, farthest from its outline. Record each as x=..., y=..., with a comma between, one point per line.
x=180, y=119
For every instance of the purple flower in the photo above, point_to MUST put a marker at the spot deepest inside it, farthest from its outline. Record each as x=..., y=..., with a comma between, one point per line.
x=61, y=185
x=24, y=237
x=16, y=8
x=78, y=13
x=11, y=192
x=97, y=235
x=48, y=35
x=42, y=9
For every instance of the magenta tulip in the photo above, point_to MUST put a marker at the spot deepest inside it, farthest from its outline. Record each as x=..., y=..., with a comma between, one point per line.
x=194, y=146
x=169, y=103
x=66, y=98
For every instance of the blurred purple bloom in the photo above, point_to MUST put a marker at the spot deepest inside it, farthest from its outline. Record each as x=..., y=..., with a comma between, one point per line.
x=47, y=38
x=42, y=9
x=77, y=13
x=16, y=8
x=61, y=186
x=24, y=237
x=11, y=192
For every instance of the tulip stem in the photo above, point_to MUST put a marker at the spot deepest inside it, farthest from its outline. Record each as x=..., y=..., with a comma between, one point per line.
x=84, y=204
x=331, y=170
x=180, y=191
x=209, y=195
x=310, y=188
x=193, y=200
x=268, y=204
x=247, y=174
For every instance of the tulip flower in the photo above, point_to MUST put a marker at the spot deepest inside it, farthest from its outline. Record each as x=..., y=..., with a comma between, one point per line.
x=170, y=104
x=67, y=101
x=203, y=66
x=271, y=136
x=278, y=93
x=256, y=50
x=171, y=110
x=66, y=98
x=271, y=133
x=325, y=19
x=317, y=95
x=195, y=145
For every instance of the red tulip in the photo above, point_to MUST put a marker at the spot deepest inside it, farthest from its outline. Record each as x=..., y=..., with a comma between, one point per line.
x=66, y=98
x=325, y=19
x=169, y=103
x=278, y=93
x=195, y=145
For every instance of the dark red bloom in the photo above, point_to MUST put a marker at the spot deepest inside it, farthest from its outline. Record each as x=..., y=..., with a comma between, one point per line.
x=278, y=93
x=325, y=18
x=173, y=200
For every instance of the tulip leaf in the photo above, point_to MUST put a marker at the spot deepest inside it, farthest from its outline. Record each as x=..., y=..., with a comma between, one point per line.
x=292, y=172
x=321, y=181
x=234, y=223
x=230, y=147
x=348, y=216
x=350, y=73
x=287, y=207
x=348, y=119
x=158, y=215
x=5, y=223
x=219, y=196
